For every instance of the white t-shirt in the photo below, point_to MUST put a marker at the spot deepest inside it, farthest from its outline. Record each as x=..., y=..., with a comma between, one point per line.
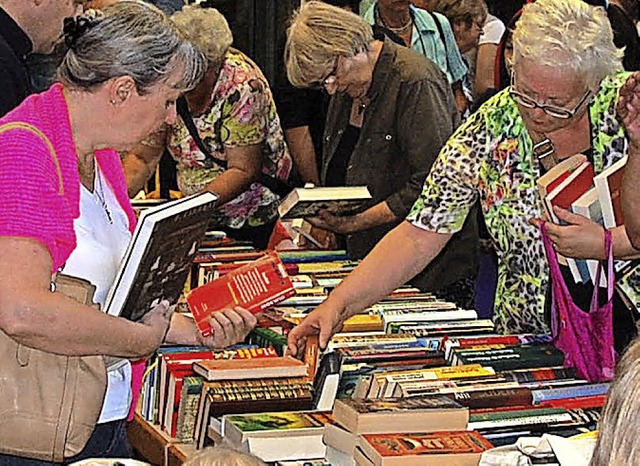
x=492, y=31
x=102, y=236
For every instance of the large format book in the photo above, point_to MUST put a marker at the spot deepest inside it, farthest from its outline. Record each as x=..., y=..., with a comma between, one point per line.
x=158, y=259
x=608, y=183
x=308, y=202
x=242, y=369
x=254, y=286
x=415, y=414
x=451, y=448
x=278, y=436
x=558, y=173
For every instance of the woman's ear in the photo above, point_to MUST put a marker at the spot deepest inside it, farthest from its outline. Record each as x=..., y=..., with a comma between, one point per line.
x=122, y=89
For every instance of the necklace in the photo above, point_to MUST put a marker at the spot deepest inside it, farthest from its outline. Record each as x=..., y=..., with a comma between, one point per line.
x=381, y=22
x=98, y=190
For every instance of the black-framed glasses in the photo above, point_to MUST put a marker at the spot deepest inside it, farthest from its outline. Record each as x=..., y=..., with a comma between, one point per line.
x=551, y=110
x=329, y=78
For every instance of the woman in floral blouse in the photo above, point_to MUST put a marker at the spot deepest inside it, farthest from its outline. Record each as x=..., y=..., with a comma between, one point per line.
x=235, y=117
x=562, y=100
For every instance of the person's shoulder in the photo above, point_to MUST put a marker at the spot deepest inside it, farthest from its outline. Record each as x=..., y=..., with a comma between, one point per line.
x=411, y=66
x=242, y=71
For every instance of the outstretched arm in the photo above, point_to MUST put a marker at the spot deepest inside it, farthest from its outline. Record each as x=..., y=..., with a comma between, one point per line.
x=401, y=254
x=629, y=112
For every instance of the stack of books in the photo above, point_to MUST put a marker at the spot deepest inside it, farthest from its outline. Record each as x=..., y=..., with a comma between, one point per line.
x=363, y=426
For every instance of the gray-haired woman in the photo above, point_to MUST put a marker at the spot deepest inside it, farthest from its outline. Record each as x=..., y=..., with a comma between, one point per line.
x=119, y=82
x=562, y=100
x=239, y=131
x=391, y=110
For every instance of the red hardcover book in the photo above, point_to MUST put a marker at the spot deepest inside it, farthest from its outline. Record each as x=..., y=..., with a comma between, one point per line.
x=254, y=286
x=568, y=191
x=461, y=448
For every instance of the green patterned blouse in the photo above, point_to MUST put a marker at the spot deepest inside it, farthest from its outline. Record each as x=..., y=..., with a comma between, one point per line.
x=490, y=157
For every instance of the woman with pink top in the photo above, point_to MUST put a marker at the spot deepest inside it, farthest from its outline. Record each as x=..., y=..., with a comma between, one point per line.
x=65, y=206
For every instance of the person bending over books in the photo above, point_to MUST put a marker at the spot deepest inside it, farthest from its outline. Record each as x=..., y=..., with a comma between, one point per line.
x=391, y=110
x=236, y=137
x=563, y=99
x=618, y=440
x=65, y=207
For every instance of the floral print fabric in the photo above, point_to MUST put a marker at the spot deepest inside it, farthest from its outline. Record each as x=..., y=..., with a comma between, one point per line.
x=242, y=113
x=490, y=157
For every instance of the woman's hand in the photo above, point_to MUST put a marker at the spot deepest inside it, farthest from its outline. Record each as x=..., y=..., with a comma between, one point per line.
x=325, y=321
x=581, y=238
x=158, y=320
x=628, y=108
x=343, y=225
x=229, y=326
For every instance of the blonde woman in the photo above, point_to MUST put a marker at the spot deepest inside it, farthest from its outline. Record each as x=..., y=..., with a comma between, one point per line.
x=391, y=109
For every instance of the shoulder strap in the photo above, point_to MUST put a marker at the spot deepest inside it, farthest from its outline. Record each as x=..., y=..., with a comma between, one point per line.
x=275, y=185
x=32, y=129
x=183, y=110
x=442, y=37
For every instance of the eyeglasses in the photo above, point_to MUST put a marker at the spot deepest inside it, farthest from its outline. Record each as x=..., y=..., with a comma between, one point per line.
x=328, y=78
x=551, y=110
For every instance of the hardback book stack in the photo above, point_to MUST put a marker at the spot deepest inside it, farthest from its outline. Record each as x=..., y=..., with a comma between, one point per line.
x=171, y=389
x=362, y=426
x=281, y=436
x=249, y=386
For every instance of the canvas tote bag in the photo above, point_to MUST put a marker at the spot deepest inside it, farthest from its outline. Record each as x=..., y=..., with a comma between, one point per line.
x=585, y=338
x=49, y=404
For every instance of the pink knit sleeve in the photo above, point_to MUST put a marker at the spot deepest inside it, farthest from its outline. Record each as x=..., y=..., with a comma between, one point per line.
x=30, y=203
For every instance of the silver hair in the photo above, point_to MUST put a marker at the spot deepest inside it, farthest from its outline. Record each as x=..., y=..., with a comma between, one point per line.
x=130, y=38
x=207, y=29
x=223, y=456
x=568, y=34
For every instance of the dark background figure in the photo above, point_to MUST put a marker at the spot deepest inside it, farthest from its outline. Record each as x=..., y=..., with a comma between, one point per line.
x=25, y=27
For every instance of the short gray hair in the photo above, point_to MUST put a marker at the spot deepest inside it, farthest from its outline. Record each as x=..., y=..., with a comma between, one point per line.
x=318, y=34
x=130, y=38
x=568, y=33
x=207, y=29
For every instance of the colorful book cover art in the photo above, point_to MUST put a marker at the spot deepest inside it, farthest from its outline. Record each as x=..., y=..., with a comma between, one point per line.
x=435, y=443
x=279, y=421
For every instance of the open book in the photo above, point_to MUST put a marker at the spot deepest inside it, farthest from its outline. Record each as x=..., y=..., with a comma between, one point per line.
x=157, y=261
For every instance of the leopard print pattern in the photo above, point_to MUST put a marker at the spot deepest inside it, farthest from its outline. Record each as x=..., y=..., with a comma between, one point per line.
x=490, y=157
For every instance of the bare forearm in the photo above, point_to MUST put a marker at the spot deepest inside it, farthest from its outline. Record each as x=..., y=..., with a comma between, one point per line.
x=182, y=331
x=622, y=246
x=54, y=323
x=397, y=258
x=631, y=195
x=230, y=184
x=303, y=153
x=138, y=171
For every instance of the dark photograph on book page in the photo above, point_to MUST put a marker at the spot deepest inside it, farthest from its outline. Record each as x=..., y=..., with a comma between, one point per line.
x=158, y=260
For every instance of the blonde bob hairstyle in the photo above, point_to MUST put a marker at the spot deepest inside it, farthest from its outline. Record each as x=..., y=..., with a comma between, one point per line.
x=567, y=34
x=318, y=34
x=619, y=436
x=205, y=28
x=222, y=456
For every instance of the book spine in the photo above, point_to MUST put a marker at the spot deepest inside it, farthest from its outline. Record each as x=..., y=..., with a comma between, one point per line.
x=548, y=394
x=491, y=398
